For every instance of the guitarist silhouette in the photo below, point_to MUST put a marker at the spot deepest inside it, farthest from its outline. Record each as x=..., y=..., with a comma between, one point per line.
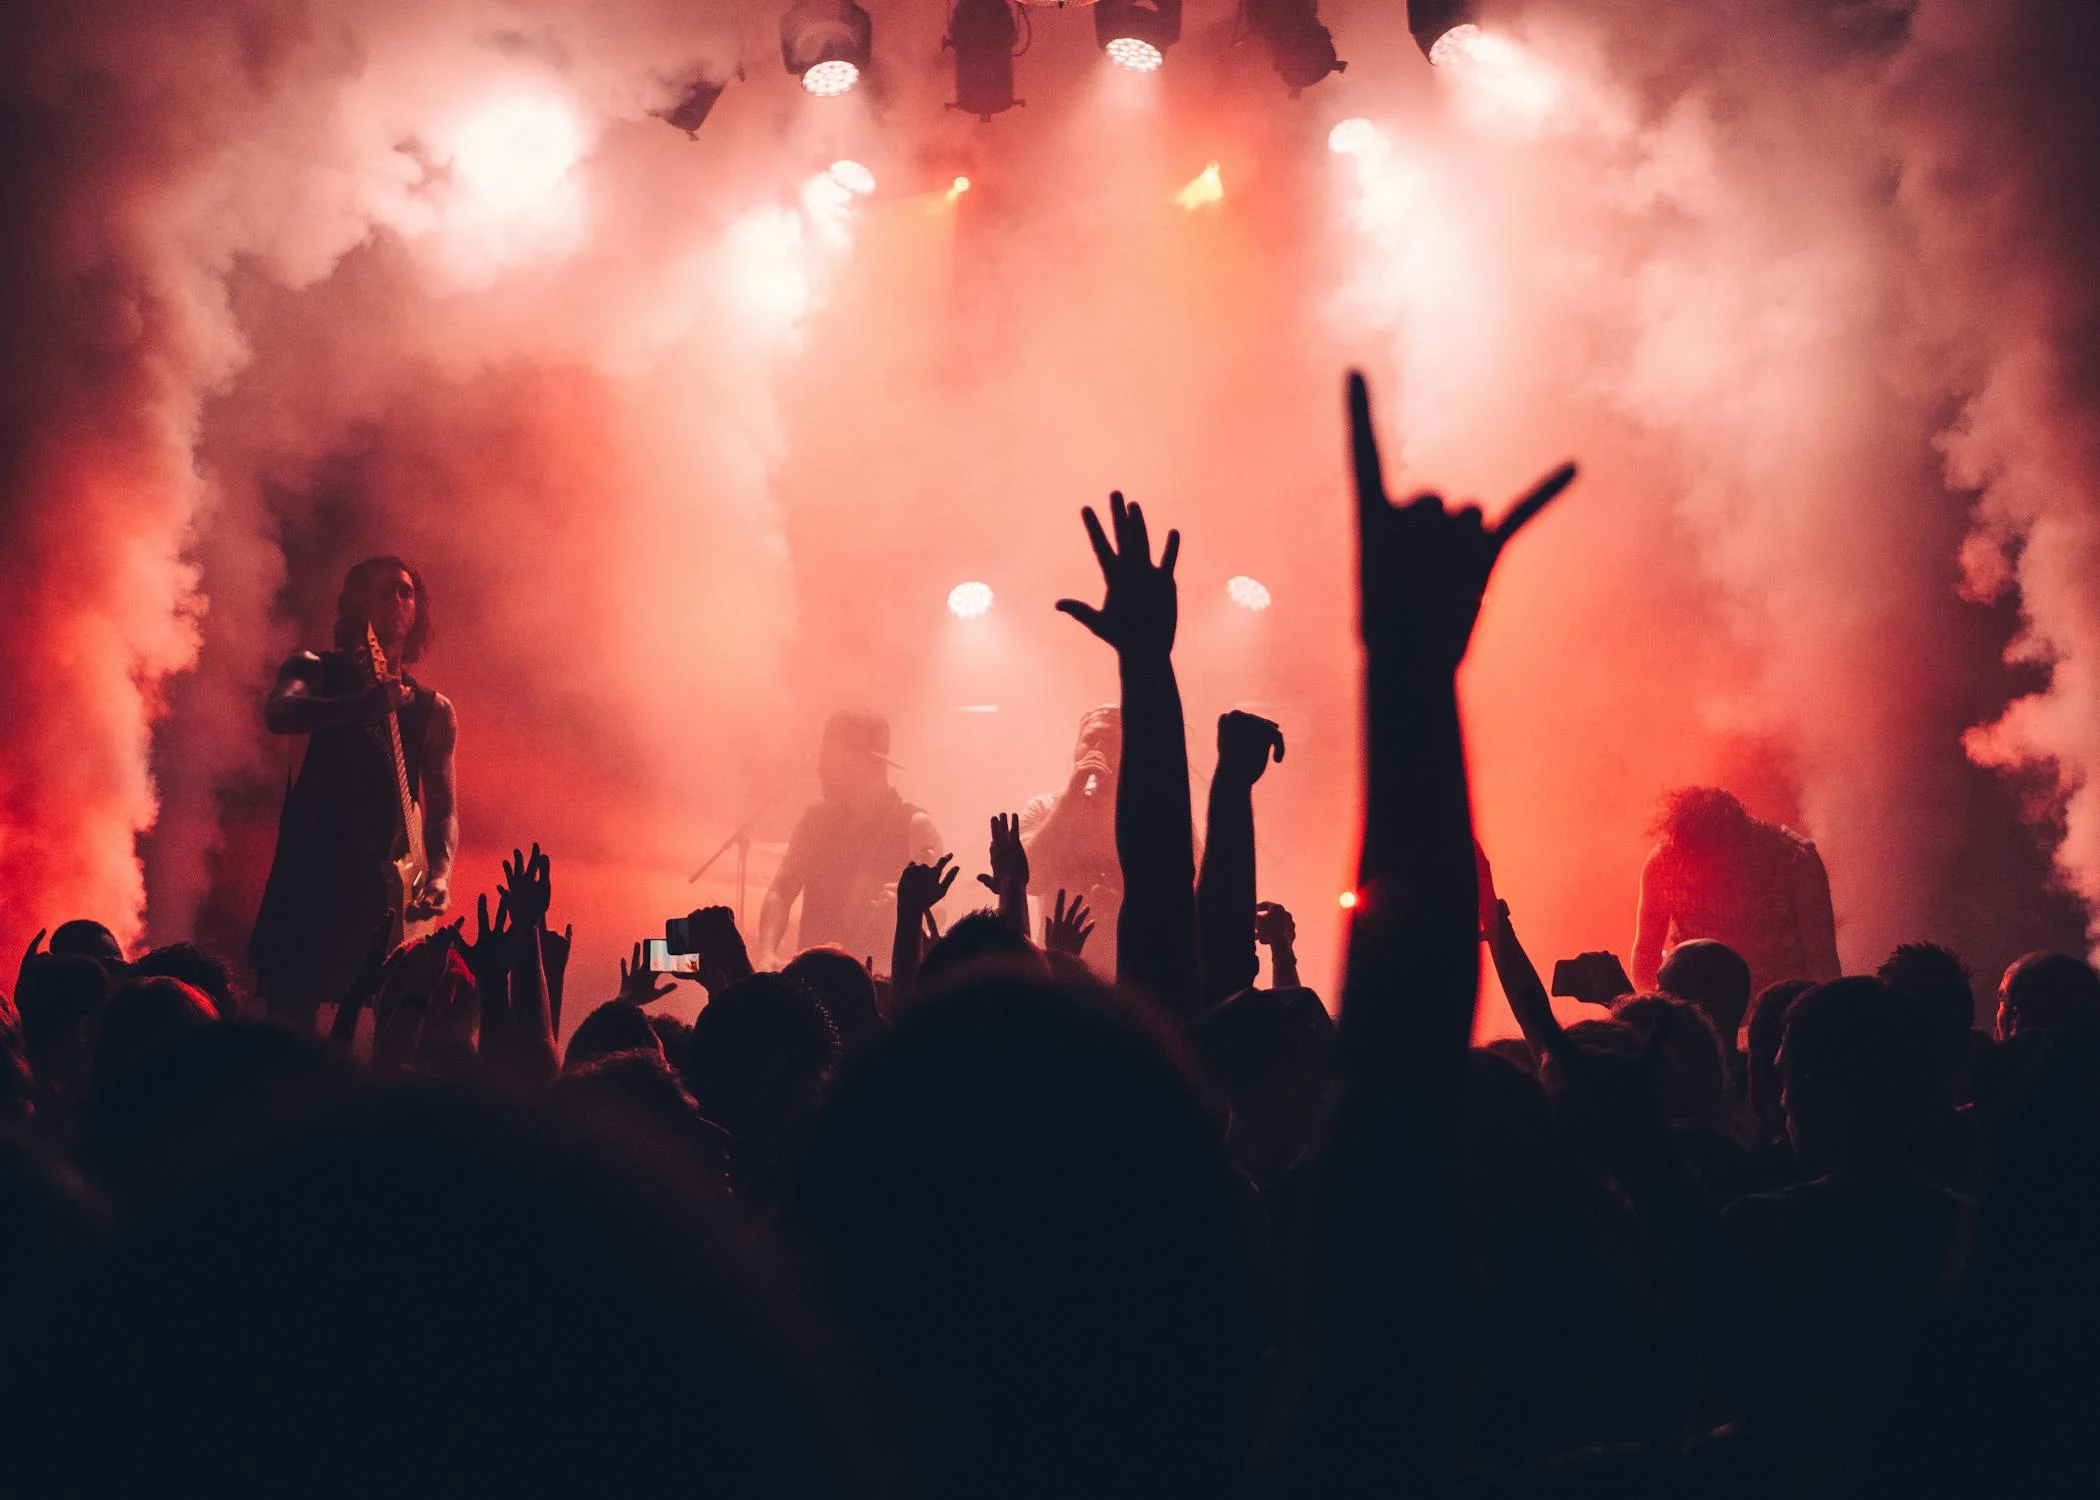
x=370, y=823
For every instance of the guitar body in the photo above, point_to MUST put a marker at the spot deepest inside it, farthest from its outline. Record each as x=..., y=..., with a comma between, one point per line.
x=410, y=866
x=405, y=876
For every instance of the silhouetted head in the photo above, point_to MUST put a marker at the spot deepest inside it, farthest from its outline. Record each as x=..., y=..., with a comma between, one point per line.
x=2048, y=992
x=1859, y=1074
x=980, y=939
x=1714, y=977
x=843, y=984
x=140, y=1019
x=1762, y=1032
x=1019, y=1205
x=674, y=1036
x=1516, y=1052
x=387, y=594
x=761, y=1055
x=81, y=938
x=638, y=1101
x=196, y=968
x=1937, y=979
x=1271, y=1053
x=1101, y=733
x=1692, y=1068
x=615, y=1026
x=433, y=1296
x=60, y=1000
x=206, y=1092
x=853, y=758
x=1699, y=818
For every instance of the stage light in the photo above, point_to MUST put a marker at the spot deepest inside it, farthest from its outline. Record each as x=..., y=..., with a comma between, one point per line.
x=1247, y=593
x=1300, y=48
x=1433, y=21
x=1135, y=36
x=1207, y=190
x=513, y=154
x=1454, y=44
x=957, y=188
x=1347, y=901
x=982, y=34
x=691, y=112
x=827, y=44
x=853, y=177
x=1355, y=136
x=967, y=601
x=829, y=79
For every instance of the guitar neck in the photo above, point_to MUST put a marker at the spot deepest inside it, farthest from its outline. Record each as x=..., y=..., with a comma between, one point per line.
x=411, y=815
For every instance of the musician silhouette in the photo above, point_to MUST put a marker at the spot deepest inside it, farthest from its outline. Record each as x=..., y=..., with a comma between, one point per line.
x=376, y=789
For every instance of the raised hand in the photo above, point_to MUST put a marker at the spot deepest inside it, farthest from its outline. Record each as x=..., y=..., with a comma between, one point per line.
x=528, y=887
x=1245, y=743
x=923, y=887
x=35, y=951
x=1139, y=608
x=638, y=983
x=1008, y=859
x=1066, y=928
x=555, y=948
x=724, y=960
x=1275, y=930
x=1422, y=568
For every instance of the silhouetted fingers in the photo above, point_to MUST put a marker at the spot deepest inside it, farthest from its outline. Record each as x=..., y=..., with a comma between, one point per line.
x=1537, y=499
x=1363, y=450
x=1276, y=739
x=1173, y=550
x=1104, y=554
x=1085, y=614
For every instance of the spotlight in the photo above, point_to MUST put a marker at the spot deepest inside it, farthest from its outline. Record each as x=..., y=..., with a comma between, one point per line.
x=1454, y=44
x=1346, y=901
x=1300, y=48
x=513, y=154
x=1433, y=21
x=691, y=112
x=1206, y=190
x=826, y=44
x=1355, y=136
x=966, y=601
x=1137, y=36
x=957, y=188
x=853, y=177
x=983, y=33
x=1247, y=593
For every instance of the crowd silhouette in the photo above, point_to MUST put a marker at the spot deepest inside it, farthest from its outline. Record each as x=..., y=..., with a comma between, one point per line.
x=987, y=1224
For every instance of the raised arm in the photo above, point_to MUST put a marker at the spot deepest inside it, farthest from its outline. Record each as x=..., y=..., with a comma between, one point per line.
x=1816, y=914
x=1377, y=1414
x=1225, y=890
x=1651, y=925
x=297, y=706
x=1155, y=839
x=781, y=896
x=920, y=888
x=1008, y=878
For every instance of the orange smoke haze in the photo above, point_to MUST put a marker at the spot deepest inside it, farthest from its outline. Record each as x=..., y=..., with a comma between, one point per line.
x=691, y=440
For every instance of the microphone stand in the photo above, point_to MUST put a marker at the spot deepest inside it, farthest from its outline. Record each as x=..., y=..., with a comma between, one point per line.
x=741, y=842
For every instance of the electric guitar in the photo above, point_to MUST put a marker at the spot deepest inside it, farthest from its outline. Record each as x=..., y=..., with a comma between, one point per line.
x=410, y=866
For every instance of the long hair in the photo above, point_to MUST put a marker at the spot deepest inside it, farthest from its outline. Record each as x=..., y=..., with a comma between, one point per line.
x=1701, y=817
x=350, y=619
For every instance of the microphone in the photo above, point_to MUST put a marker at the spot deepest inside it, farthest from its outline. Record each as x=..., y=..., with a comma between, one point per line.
x=1093, y=784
